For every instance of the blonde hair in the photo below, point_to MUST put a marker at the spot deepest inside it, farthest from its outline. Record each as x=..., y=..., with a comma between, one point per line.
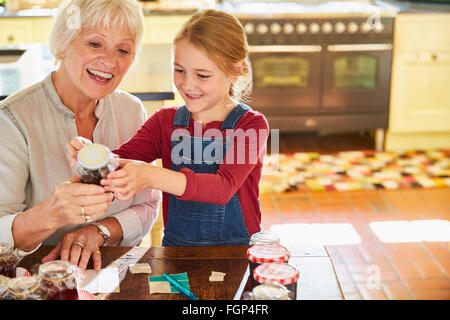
x=73, y=15
x=222, y=38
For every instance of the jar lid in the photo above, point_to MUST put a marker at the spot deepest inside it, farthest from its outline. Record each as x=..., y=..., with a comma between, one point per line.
x=270, y=292
x=263, y=237
x=5, y=249
x=276, y=273
x=56, y=270
x=261, y=253
x=94, y=156
x=23, y=285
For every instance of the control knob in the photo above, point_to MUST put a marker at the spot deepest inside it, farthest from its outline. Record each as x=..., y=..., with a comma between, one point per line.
x=288, y=28
x=327, y=27
x=379, y=27
x=301, y=28
x=249, y=28
x=365, y=27
x=352, y=27
x=339, y=27
x=314, y=27
x=262, y=28
x=275, y=28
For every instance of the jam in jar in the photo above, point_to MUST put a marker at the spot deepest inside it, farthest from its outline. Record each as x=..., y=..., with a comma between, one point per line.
x=8, y=260
x=278, y=273
x=27, y=288
x=95, y=161
x=61, y=275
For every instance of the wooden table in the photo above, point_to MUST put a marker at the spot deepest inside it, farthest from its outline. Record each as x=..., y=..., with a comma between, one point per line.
x=317, y=278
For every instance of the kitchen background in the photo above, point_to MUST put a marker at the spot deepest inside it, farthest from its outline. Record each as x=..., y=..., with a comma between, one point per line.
x=359, y=91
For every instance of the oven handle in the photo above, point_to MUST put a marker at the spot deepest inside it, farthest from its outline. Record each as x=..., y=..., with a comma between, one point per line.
x=359, y=47
x=286, y=48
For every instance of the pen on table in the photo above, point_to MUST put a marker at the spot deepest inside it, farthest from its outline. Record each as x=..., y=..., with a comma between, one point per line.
x=185, y=291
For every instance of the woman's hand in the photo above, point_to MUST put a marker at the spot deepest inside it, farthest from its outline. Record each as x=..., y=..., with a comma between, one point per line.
x=74, y=202
x=78, y=247
x=75, y=145
x=128, y=180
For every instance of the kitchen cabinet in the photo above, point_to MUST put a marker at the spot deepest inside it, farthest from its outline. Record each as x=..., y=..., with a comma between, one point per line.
x=16, y=31
x=162, y=28
x=420, y=100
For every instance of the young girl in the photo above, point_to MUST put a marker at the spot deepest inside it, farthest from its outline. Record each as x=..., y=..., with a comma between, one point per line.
x=211, y=147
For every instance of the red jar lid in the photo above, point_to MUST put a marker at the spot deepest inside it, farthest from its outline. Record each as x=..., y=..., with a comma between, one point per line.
x=276, y=273
x=262, y=253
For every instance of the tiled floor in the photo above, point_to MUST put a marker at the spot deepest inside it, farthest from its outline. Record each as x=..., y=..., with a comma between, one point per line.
x=346, y=223
x=384, y=244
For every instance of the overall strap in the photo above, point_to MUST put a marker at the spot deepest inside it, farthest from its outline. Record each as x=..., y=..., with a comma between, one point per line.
x=182, y=117
x=234, y=116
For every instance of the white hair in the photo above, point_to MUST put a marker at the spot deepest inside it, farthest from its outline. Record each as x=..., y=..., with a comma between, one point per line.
x=73, y=15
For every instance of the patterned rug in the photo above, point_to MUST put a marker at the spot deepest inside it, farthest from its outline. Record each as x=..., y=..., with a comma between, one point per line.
x=355, y=170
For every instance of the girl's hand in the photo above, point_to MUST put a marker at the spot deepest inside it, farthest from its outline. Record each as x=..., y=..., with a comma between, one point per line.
x=75, y=145
x=128, y=180
x=78, y=247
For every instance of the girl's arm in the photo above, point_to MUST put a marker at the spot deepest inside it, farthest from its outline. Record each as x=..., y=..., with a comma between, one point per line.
x=136, y=175
x=187, y=185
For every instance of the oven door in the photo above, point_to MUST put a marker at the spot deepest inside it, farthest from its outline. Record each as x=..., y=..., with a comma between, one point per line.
x=357, y=76
x=285, y=77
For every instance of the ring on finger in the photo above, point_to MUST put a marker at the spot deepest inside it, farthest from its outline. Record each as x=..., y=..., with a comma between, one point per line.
x=98, y=251
x=86, y=217
x=77, y=243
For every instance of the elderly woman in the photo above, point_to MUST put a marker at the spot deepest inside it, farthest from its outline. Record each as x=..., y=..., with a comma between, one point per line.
x=41, y=200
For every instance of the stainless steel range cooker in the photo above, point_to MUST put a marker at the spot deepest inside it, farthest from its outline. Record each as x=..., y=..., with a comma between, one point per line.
x=320, y=66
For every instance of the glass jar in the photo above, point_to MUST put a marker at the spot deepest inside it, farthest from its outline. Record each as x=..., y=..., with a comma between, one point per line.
x=95, y=161
x=60, y=275
x=264, y=237
x=278, y=273
x=3, y=285
x=27, y=288
x=265, y=253
x=271, y=292
x=8, y=260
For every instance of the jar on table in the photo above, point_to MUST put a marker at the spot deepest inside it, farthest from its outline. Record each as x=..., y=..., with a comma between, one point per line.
x=266, y=253
x=95, y=161
x=27, y=288
x=62, y=276
x=264, y=237
x=8, y=260
x=3, y=285
x=279, y=274
x=269, y=292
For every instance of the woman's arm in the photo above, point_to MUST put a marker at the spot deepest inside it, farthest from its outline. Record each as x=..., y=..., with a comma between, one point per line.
x=26, y=227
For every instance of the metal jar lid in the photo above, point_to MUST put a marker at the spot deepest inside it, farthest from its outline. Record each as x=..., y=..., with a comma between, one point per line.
x=6, y=249
x=262, y=253
x=94, y=156
x=270, y=292
x=275, y=273
x=57, y=270
x=23, y=286
x=263, y=237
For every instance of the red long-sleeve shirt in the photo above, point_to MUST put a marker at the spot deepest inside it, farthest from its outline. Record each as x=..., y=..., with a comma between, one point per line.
x=154, y=140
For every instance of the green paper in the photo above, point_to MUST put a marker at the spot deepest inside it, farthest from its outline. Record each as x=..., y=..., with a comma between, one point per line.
x=182, y=278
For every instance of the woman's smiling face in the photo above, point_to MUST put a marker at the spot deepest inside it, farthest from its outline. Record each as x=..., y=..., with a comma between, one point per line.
x=95, y=62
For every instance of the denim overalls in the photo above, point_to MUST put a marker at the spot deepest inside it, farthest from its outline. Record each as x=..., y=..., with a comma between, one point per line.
x=193, y=223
